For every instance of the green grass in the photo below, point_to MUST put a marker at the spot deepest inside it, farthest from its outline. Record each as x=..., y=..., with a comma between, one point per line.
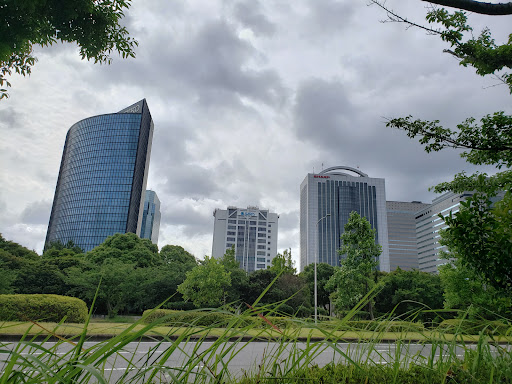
x=32, y=361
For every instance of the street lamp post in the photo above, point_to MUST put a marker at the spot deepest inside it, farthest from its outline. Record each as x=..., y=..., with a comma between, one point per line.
x=316, y=262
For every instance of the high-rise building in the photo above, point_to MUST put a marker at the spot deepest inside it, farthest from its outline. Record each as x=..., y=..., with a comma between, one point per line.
x=253, y=233
x=428, y=225
x=150, y=217
x=403, y=247
x=102, y=177
x=326, y=201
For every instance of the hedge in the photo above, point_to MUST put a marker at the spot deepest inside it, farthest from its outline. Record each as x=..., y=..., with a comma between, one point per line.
x=42, y=307
x=474, y=327
x=376, y=325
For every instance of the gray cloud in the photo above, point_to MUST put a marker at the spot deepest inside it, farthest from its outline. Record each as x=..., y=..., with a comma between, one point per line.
x=37, y=212
x=249, y=13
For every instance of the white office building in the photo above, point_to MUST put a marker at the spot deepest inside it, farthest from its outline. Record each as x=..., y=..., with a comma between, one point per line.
x=253, y=233
x=403, y=245
x=326, y=201
x=428, y=225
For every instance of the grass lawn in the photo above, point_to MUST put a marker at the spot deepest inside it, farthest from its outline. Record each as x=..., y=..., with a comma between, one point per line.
x=106, y=329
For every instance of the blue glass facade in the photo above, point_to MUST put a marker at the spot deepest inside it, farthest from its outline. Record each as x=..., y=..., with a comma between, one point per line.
x=338, y=199
x=151, y=217
x=102, y=177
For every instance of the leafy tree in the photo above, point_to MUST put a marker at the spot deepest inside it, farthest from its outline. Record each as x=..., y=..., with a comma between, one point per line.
x=58, y=249
x=17, y=250
x=407, y=291
x=93, y=24
x=324, y=273
x=115, y=278
x=258, y=281
x=283, y=263
x=479, y=234
x=7, y=278
x=239, y=277
x=174, y=254
x=464, y=289
x=128, y=248
x=206, y=284
x=356, y=275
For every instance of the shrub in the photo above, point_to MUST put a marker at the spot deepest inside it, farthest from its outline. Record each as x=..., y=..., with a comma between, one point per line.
x=180, y=305
x=42, y=307
x=195, y=318
x=474, y=327
x=375, y=325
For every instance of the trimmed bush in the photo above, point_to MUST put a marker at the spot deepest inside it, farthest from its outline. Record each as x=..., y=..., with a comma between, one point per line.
x=376, y=325
x=42, y=308
x=180, y=305
x=195, y=318
x=474, y=327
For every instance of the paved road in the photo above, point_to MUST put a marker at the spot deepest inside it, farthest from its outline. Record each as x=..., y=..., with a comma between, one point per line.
x=208, y=358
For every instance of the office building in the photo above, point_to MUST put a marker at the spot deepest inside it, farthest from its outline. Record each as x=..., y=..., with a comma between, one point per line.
x=403, y=247
x=428, y=225
x=326, y=201
x=253, y=233
x=102, y=177
x=150, y=217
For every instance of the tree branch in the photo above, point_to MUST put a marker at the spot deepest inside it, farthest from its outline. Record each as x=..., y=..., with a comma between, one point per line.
x=499, y=9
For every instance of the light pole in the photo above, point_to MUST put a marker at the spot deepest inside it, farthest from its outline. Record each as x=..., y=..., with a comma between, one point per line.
x=316, y=262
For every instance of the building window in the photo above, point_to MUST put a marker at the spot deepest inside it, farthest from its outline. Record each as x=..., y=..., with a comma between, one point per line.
x=261, y=229
x=231, y=226
x=232, y=221
x=229, y=245
x=230, y=239
x=231, y=233
x=252, y=222
x=261, y=247
x=260, y=259
x=262, y=253
x=261, y=235
x=260, y=265
x=261, y=241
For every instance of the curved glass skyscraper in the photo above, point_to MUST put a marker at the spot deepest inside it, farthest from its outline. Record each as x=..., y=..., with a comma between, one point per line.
x=102, y=177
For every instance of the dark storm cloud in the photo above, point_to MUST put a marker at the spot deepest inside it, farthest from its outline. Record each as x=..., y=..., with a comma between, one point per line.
x=211, y=63
x=190, y=181
x=323, y=112
x=37, y=212
x=250, y=14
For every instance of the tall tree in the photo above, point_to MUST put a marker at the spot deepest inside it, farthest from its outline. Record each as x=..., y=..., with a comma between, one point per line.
x=206, y=284
x=479, y=233
x=356, y=275
x=405, y=292
x=94, y=25
x=465, y=289
x=283, y=263
x=126, y=247
x=324, y=273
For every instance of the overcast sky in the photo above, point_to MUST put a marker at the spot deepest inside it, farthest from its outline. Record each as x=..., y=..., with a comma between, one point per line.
x=247, y=97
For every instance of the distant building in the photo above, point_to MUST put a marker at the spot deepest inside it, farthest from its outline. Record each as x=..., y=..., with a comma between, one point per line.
x=102, y=177
x=428, y=225
x=253, y=233
x=403, y=246
x=150, y=217
x=326, y=201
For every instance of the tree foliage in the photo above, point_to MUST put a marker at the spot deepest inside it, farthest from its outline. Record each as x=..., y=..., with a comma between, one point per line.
x=128, y=248
x=356, y=275
x=206, y=284
x=465, y=290
x=94, y=25
x=324, y=273
x=404, y=292
x=283, y=263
